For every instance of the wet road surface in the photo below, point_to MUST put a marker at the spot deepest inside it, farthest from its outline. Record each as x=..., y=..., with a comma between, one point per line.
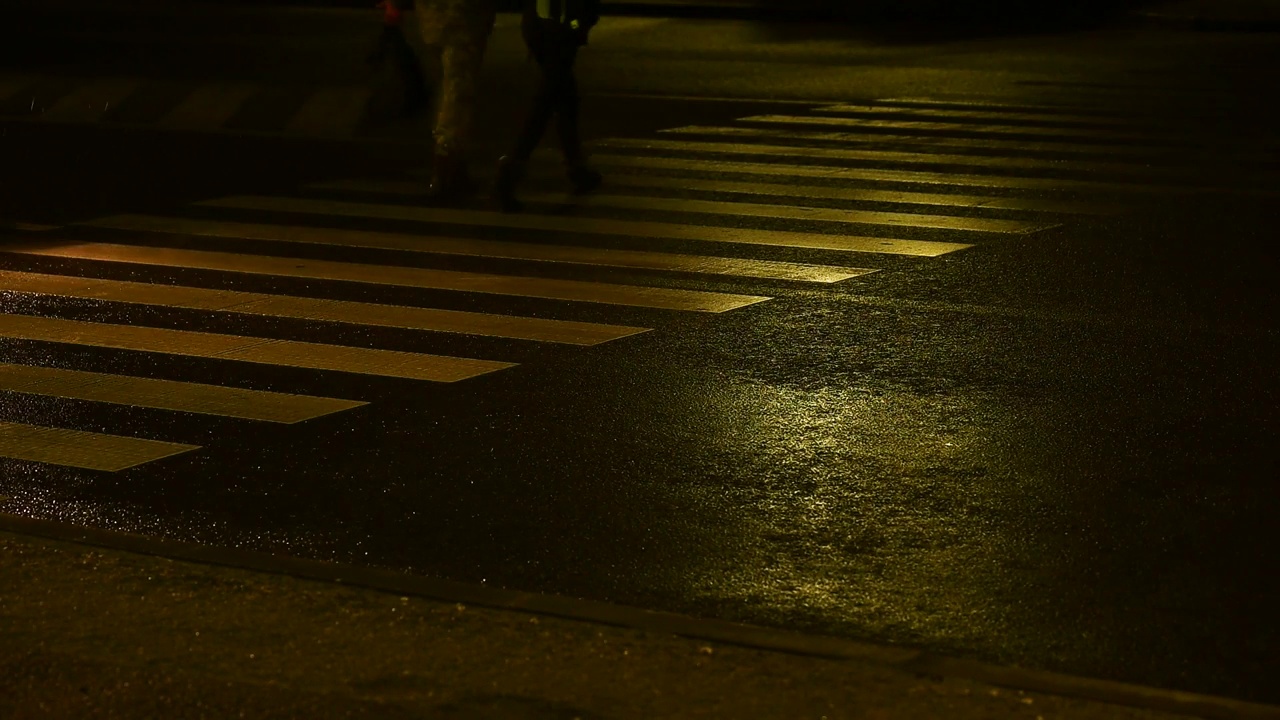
x=990, y=374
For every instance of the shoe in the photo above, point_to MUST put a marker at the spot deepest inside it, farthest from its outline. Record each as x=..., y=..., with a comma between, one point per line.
x=508, y=176
x=450, y=179
x=584, y=179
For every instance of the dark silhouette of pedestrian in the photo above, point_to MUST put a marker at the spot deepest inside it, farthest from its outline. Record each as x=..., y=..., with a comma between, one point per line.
x=553, y=31
x=392, y=42
x=459, y=30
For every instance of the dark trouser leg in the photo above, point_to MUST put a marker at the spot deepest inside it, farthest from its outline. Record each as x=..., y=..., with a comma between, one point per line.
x=566, y=107
x=511, y=166
x=554, y=53
x=540, y=110
x=566, y=102
x=460, y=65
x=416, y=95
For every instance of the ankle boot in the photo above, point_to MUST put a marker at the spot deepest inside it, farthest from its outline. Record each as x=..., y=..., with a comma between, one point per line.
x=510, y=170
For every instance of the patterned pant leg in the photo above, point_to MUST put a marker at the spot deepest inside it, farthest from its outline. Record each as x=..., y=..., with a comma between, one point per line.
x=460, y=71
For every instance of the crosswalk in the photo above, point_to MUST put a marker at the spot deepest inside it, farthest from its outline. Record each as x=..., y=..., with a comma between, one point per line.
x=909, y=133
x=698, y=221
x=326, y=111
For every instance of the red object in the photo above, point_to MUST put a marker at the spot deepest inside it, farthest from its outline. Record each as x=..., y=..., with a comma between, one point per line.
x=391, y=14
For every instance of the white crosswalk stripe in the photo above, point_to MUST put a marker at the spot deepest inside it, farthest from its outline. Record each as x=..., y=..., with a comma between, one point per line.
x=625, y=163
x=585, y=255
x=873, y=155
x=283, y=306
x=669, y=217
x=1062, y=134
x=802, y=212
x=425, y=278
x=327, y=111
x=587, y=225
x=804, y=193
x=794, y=190
x=943, y=103
x=951, y=112
x=267, y=351
x=331, y=112
x=167, y=394
x=77, y=448
x=208, y=107
x=89, y=102
x=927, y=142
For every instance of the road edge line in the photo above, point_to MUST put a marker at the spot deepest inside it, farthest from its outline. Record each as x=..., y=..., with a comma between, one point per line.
x=659, y=622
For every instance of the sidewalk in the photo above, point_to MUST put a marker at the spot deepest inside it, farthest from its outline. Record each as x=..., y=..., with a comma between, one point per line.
x=102, y=633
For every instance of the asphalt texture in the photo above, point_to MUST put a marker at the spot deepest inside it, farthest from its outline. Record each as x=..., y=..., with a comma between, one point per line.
x=193, y=640
x=1051, y=449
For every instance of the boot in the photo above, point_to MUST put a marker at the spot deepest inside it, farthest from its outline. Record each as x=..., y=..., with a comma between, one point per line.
x=449, y=179
x=510, y=170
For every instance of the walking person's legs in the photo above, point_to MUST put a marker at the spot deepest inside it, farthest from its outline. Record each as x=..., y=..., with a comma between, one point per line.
x=540, y=110
x=584, y=179
x=460, y=68
x=416, y=94
x=557, y=94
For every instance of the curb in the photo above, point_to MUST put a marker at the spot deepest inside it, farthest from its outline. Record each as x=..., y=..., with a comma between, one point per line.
x=657, y=622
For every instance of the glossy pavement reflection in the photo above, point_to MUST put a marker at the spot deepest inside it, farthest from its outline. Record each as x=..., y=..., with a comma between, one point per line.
x=650, y=396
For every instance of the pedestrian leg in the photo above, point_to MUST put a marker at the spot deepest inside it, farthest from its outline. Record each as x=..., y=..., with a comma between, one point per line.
x=512, y=166
x=416, y=94
x=460, y=64
x=566, y=101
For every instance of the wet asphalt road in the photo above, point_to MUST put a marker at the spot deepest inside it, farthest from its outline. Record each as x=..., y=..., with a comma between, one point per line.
x=1052, y=448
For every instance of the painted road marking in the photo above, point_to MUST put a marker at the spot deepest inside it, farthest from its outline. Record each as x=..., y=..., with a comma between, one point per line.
x=334, y=111
x=927, y=103
x=169, y=395
x=343, y=311
x=597, y=226
x=734, y=208
x=918, y=177
x=791, y=212
x=573, y=290
x=582, y=255
x=88, y=102
x=208, y=107
x=861, y=154
x=803, y=192
x=263, y=351
x=929, y=141
x=1064, y=134
x=76, y=448
x=990, y=114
